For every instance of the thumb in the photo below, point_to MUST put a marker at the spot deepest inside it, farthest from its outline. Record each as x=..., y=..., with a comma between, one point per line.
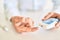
x=58, y=25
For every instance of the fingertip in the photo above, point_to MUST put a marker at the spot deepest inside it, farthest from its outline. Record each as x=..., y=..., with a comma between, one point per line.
x=43, y=19
x=57, y=25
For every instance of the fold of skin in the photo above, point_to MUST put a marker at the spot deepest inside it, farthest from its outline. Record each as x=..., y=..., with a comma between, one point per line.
x=23, y=24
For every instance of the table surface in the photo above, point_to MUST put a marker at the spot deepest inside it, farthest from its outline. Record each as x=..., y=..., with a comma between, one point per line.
x=41, y=34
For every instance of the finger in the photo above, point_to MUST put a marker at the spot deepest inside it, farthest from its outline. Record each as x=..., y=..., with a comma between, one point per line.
x=34, y=29
x=50, y=15
x=29, y=21
x=23, y=19
x=58, y=16
x=58, y=25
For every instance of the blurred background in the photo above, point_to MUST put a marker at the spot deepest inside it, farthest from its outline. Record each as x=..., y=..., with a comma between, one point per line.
x=40, y=34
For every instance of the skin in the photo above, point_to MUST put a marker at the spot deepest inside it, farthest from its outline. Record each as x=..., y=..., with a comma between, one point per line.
x=53, y=15
x=22, y=24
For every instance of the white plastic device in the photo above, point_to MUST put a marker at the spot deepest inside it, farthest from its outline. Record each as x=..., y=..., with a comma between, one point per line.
x=49, y=24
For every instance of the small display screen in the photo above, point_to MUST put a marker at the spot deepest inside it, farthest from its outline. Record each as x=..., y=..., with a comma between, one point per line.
x=51, y=20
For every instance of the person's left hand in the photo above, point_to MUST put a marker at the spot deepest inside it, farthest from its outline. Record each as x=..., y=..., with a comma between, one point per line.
x=23, y=24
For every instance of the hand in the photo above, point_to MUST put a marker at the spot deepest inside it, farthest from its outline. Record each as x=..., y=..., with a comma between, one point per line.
x=53, y=15
x=22, y=24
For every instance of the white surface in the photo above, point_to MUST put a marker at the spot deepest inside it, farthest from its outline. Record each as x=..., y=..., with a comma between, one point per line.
x=38, y=35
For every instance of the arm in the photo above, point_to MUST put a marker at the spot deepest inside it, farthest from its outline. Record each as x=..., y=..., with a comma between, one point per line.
x=11, y=8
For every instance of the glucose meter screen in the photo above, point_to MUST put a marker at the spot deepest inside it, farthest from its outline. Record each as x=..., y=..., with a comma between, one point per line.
x=51, y=20
x=48, y=22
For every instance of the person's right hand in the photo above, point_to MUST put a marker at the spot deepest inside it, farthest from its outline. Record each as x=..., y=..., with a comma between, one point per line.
x=53, y=15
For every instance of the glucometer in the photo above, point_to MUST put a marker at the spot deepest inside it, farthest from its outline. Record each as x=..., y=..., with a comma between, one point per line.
x=49, y=24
